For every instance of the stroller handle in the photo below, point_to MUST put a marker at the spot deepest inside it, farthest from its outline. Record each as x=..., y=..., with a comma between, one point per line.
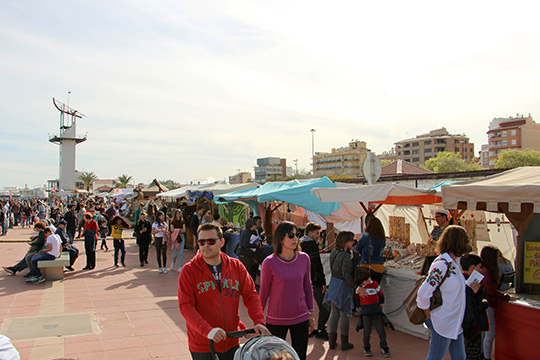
x=233, y=334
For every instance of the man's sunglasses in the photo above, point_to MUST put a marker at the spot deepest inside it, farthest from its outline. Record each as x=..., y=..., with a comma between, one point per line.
x=291, y=235
x=203, y=242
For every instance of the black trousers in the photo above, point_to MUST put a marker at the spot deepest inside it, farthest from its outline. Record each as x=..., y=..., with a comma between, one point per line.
x=228, y=355
x=73, y=255
x=161, y=251
x=251, y=266
x=144, y=244
x=379, y=326
x=324, y=313
x=90, y=248
x=119, y=246
x=299, y=336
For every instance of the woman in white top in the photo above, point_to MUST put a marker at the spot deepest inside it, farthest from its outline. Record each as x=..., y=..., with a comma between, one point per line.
x=159, y=229
x=445, y=321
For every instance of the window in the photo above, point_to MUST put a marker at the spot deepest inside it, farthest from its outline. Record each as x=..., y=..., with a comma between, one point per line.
x=456, y=141
x=457, y=150
x=492, y=143
x=406, y=152
x=407, y=145
x=415, y=143
x=513, y=132
x=498, y=143
x=427, y=142
x=514, y=142
x=415, y=152
x=415, y=159
x=491, y=162
x=427, y=150
x=504, y=133
x=505, y=142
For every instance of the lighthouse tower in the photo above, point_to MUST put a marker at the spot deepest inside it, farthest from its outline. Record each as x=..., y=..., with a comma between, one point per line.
x=67, y=139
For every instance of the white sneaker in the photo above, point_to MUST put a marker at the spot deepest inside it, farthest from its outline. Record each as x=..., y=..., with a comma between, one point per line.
x=179, y=269
x=172, y=268
x=165, y=270
x=160, y=270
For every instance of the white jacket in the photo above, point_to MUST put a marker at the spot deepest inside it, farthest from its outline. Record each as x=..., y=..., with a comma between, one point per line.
x=446, y=319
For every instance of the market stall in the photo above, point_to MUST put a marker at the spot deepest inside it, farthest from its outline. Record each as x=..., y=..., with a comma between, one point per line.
x=403, y=265
x=516, y=193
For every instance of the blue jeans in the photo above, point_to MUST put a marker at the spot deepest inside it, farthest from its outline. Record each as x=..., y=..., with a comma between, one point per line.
x=34, y=262
x=178, y=252
x=439, y=345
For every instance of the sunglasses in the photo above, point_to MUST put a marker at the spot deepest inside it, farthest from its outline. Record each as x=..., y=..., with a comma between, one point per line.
x=210, y=242
x=291, y=235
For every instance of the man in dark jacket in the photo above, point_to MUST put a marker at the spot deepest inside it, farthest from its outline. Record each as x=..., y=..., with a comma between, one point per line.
x=66, y=243
x=195, y=222
x=248, y=244
x=309, y=245
x=71, y=221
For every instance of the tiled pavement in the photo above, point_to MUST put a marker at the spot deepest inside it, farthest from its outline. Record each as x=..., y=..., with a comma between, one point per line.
x=128, y=313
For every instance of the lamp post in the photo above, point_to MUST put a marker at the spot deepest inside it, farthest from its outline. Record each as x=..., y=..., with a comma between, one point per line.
x=313, y=149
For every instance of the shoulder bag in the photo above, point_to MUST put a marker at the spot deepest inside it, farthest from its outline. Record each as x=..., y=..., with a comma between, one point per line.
x=415, y=314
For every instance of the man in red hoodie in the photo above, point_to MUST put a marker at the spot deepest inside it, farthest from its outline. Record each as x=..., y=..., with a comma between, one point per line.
x=209, y=290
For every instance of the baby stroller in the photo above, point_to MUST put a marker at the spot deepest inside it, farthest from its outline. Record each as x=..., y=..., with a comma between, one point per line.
x=261, y=347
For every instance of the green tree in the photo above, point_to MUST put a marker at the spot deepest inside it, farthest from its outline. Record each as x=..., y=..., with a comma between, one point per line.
x=385, y=162
x=123, y=180
x=446, y=162
x=87, y=178
x=509, y=159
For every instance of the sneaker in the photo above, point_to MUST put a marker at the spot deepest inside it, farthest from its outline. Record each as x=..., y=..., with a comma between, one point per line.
x=385, y=352
x=70, y=268
x=142, y=264
x=160, y=270
x=31, y=279
x=172, y=268
x=9, y=270
x=27, y=275
x=123, y=264
x=322, y=334
x=146, y=261
x=165, y=270
x=115, y=265
x=367, y=352
x=39, y=280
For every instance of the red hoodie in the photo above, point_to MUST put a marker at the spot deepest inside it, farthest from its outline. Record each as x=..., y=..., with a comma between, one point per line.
x=205, y=307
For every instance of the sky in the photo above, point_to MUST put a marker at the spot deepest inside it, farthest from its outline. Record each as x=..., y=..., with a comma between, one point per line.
x=187, y=90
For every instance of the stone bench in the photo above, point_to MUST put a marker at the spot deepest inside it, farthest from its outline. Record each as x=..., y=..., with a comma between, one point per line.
x=54, y=269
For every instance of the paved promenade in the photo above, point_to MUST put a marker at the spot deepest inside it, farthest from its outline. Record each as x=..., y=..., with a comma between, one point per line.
x=121, y=313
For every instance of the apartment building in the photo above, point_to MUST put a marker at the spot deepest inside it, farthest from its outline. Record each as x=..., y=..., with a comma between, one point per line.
x=423, y=147
x=271, y=167
x=520, y=133
x=240, y=178
x=344, y=161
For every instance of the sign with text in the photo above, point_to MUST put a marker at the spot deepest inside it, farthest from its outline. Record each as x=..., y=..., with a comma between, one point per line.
x=531, y=262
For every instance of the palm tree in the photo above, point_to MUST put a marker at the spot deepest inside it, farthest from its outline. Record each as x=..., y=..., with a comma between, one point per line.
x=88, y=178
x=123, y=180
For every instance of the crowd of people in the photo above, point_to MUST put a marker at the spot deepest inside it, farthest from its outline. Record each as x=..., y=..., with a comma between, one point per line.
x=293, y=275
x=287, y=265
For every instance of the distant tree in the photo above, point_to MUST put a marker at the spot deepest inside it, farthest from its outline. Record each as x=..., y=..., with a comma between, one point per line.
x=170, y=184
x=385, y=162
x=123, y=181
x=447, y=162
x=509, y=159
x=88, y=179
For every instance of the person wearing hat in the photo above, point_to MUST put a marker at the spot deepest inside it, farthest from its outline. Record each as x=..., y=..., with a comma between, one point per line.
x=66, y=243
x=441, y=218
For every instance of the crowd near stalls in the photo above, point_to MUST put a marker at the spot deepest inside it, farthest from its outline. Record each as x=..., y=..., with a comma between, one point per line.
x=354, y=250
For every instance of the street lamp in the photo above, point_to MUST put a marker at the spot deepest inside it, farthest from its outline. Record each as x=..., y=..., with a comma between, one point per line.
x=313, y=149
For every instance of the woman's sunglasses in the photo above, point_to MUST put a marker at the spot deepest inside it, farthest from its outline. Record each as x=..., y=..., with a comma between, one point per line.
x=210, y=242
x=291, y=235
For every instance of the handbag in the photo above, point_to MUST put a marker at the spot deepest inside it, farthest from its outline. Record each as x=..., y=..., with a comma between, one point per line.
x=415, y=314
x=378, y=268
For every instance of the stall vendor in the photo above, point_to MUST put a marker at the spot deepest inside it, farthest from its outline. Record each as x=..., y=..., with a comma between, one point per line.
x=441, y=217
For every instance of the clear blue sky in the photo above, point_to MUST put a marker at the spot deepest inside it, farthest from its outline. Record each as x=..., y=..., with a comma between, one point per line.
x=182, y=90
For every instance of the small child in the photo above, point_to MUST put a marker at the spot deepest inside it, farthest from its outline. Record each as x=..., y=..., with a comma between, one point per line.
x=371, y=311
x=103, y=231
x=118, y=226
x=475, y=320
